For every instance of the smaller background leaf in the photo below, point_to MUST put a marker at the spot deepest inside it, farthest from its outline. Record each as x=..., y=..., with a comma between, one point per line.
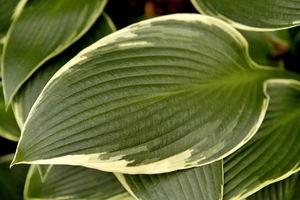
x=274, y=152
x=73, y=182
x=41, y=31
x=6, y=9
x=201, y=183
x=11, y=180
x=28, y=93
x=253, y=15
x=287, y=189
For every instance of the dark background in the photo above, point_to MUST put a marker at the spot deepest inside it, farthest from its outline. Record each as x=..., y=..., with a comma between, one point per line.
x=126, y=12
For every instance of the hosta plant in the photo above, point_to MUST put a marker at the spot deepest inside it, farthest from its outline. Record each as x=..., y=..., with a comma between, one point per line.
x=181, y=106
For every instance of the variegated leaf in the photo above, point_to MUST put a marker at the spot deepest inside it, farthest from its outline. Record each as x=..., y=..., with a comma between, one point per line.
x=274, y=152
x=164, y=94
x=40, y=31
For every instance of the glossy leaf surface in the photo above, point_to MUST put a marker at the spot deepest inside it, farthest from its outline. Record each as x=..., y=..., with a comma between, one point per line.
x=274, y=152
x=164, y=94
x=39, y=32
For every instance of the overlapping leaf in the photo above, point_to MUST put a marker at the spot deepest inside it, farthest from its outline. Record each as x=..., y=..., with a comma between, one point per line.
x=39, y=32
x=44, y=171
x=1, y=52
x=201, y=183
x=287, y=189
x=7, y=9
x=11, y=180
x=73, y=182
x=28, y=93
x=274, y=152
x=168, y=93
x=253, y=15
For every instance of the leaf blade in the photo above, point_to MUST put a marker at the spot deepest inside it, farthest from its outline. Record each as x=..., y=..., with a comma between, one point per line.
x=158, y=80
x=47, y=28
x=249, y=15
x=12, y=180
x=282, y=190
x=205, y=182
x=6, y=10
x=252, y=168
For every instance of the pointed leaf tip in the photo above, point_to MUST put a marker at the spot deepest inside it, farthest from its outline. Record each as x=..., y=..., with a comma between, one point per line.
x=45, y=28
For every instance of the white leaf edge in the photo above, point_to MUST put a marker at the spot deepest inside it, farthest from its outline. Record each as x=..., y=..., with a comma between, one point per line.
x=240, y=25
x=169, y=164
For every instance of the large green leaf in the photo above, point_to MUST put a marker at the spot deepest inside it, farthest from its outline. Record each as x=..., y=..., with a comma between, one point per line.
x=6, y=9
x=253, y=15
x=286, y=189
x=167, y=93
x=73, y=182
x=201, y=183
x=28, y=93
x=8, y=126
x=11, y=180
x=39, y=32
x=274, y=152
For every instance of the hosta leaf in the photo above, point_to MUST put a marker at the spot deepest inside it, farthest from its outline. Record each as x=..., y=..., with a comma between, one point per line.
x=73, y=182
x=28, y=93
x=164, y=94
x=253, y=15
x=42, y=30
x=6, y=9
x=274, y=152
x=8, y=126
x=296, y=194
x=282, y=190
x=204, y=182
x=11, y=180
